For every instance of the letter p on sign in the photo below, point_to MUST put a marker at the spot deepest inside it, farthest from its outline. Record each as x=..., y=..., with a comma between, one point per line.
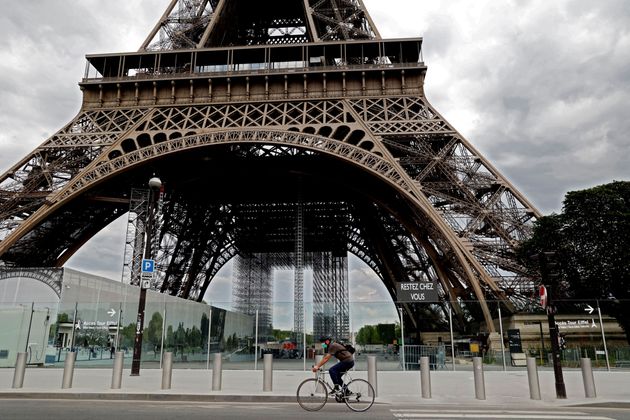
x=147, y=266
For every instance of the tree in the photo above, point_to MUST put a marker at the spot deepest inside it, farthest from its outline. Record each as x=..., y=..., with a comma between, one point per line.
x=195, y=338
x=179, y=337
x=154, y=330
x=170, y=339
x=281, y=335
x=363, y=336
x=368, y=334
x=386, y=333
x=127, y=335
x=591, y=244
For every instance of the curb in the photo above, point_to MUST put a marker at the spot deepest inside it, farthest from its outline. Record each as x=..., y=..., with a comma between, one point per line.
x=145, y=397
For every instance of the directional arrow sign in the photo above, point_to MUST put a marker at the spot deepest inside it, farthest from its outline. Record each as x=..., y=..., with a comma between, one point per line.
x=111, y=312
x=589, y=309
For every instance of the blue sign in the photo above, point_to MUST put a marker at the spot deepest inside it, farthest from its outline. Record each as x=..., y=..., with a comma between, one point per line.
x=148, y=266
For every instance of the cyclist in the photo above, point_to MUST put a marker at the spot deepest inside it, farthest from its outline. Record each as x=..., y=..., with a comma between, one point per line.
x=346, y=361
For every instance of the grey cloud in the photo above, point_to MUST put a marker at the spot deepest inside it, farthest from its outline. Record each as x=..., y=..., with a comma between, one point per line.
x=548, y=89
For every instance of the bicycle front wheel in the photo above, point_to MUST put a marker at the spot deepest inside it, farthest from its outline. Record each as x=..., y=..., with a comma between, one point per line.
x=312, y=394
x=359, y=395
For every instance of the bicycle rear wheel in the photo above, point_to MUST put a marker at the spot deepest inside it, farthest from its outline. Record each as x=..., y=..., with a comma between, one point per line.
x=312, y=394
x=359, y=395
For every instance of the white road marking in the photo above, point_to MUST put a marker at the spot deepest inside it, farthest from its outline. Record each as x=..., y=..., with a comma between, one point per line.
x=496, y=414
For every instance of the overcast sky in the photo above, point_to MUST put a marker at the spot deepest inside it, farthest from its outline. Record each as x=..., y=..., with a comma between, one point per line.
x=541, y=88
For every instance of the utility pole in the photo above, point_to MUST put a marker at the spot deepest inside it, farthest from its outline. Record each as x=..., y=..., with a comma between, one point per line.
x=549, y=273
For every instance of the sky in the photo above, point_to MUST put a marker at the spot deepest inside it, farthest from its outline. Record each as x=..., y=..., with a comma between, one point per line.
x=541, y=88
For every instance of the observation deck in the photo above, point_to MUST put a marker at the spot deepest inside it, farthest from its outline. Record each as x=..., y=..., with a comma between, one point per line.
x=314, y=70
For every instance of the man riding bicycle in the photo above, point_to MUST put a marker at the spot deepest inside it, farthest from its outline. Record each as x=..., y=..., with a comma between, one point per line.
x=346, y=361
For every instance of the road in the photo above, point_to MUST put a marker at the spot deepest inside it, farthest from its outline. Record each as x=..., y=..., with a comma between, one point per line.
x=142, y=410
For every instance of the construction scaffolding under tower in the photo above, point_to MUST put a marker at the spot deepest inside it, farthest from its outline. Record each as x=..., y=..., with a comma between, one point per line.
x=331, y=309
x=253, y=289
x=298, y=286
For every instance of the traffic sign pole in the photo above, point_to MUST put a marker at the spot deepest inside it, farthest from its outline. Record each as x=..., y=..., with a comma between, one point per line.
x=148, y=266
x=561, y=392
x=601, y=325
x=548, y=270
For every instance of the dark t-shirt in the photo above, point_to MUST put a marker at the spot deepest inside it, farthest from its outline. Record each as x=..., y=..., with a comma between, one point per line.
x=340, y=352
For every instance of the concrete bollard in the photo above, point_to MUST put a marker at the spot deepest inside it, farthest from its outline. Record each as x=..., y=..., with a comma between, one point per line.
x=118, y=370
x=268, y=373
x=587, y=376
x=20, y=370
x=167, y=370
x=425, y=377
x=532, y=376
x=372, y=378
x=68, y=370
x=480, y=387
x=216, y=372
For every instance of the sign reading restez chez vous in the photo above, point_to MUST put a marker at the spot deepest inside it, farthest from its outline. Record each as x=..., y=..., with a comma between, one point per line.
x=417, y=291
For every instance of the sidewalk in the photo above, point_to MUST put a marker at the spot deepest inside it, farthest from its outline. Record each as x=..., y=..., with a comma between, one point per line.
x=449, y=388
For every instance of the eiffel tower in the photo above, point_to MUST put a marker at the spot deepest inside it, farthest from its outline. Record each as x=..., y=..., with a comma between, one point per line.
x=260, y=117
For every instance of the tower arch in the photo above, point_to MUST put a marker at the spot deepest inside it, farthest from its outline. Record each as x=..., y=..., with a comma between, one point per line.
x=294, y=101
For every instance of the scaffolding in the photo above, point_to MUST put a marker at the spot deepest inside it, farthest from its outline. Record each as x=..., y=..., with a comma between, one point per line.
x=331, y=308
x=253, y=290
x=298, y=287
x=134, y=241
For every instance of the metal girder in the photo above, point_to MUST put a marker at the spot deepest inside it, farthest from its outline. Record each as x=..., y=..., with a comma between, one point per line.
x=387, y=177
x=189, y=24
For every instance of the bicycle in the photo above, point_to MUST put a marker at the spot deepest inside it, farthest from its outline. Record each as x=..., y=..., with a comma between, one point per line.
x=312, y=393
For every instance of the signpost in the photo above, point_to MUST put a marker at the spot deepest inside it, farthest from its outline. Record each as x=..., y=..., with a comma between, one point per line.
x=146, y=276
x=514, y=341
x=417, y=292
x=549, y=271
x=414, y=292
x=601, y=325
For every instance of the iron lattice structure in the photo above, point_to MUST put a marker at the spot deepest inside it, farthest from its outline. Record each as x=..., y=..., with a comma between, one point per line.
x=136, y=233
x=246, y=109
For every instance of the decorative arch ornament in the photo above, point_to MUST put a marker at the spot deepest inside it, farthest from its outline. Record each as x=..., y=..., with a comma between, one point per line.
x=51, y=277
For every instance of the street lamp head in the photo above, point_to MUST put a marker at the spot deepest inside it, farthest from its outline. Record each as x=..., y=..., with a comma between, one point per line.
x=155, y=183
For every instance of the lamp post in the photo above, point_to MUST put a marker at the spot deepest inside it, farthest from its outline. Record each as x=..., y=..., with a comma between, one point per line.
x=155, y=184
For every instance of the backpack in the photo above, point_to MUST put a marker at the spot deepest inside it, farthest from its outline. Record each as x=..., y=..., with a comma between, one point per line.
x=348, y=348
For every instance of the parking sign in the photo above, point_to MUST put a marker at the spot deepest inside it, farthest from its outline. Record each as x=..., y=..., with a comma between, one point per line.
x=148, y=266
